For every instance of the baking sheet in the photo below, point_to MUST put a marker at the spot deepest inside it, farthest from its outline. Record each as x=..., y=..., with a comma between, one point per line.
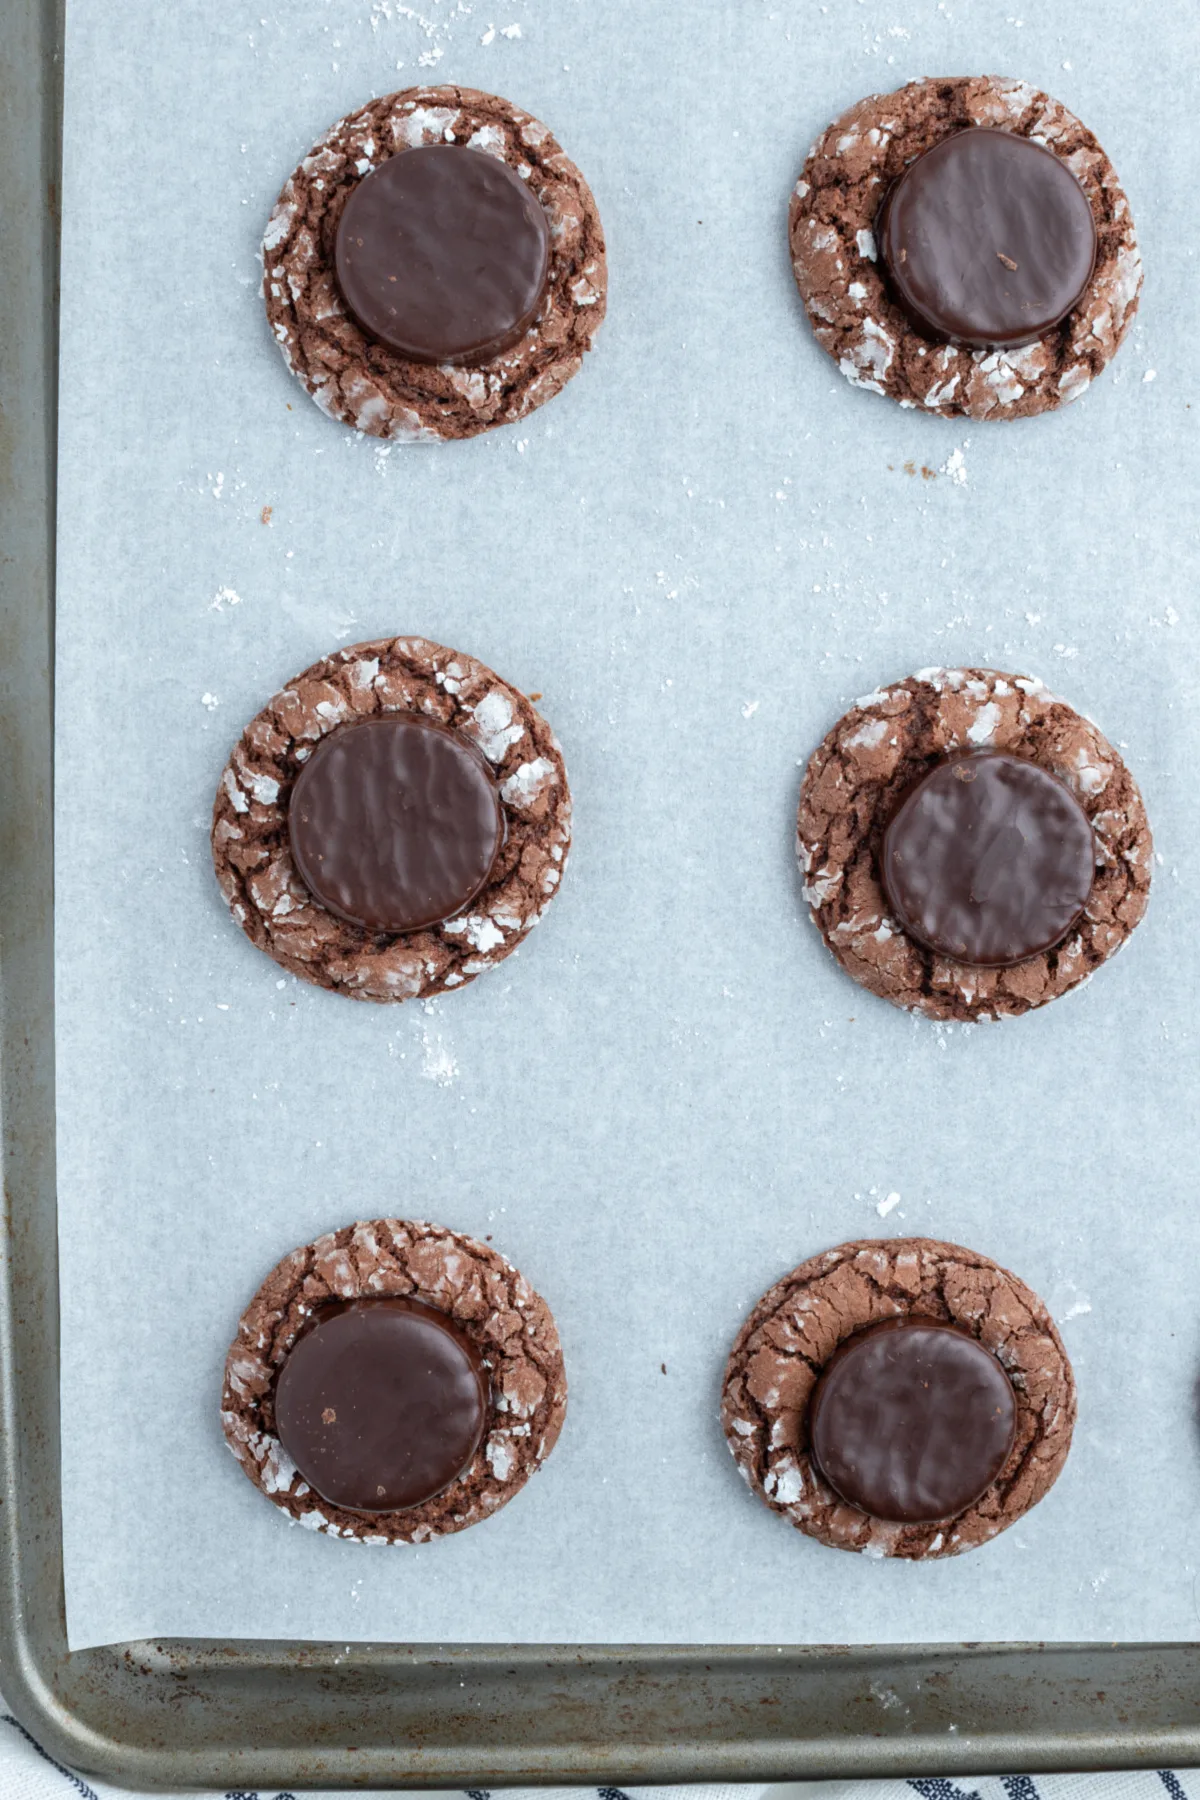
x=698, y=554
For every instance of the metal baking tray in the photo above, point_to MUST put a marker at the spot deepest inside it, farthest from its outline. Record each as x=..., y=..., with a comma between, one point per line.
x=277, y=1714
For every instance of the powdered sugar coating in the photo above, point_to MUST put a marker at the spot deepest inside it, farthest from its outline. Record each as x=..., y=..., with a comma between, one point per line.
x=796, y=1327
x=873, y=756
x=372, y=388
x=830, y=228
x=252, y=854
x=492, y=1304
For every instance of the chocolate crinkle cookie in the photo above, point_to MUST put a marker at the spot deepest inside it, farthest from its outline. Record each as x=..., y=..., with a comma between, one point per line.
x=531, y=299
x=971, y=846
x=854, y=1331
x=923, y=289
x=392, y=823
x=393, y=1382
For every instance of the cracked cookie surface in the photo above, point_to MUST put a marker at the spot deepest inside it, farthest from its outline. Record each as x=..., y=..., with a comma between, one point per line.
x=365, y=384
x=252, y=854
x=798, y=1324
x=876, y=753
x=831, y=233
x=492, y=1304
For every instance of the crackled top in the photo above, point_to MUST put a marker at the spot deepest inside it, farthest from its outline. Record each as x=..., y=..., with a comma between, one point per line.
x=985, y=366
x=792, y=1340
x=878, y=754
x=401, y=684
x=382, y=1275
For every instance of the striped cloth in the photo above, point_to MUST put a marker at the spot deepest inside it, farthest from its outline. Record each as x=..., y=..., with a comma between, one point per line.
x=28, y=1773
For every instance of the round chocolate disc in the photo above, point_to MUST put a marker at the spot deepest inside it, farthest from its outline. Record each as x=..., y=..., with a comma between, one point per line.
x=382, y=1404
x=989, y=860
x=395, y=823
x=988, y=239
x=912, y=1420
x=442, y=254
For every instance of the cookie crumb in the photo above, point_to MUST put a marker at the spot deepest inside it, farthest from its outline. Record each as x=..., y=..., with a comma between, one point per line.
x=955, y=467
x=265, y=514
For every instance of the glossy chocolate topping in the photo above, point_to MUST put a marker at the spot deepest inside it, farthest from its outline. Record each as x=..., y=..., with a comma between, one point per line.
x=912, y=1420
x=988, y=240
x=395, y=823
x=442, y=254
x=989, y=860
x=382, y=1404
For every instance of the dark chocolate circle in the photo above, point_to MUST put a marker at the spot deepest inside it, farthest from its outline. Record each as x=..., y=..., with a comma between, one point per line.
x=382, y=1404
x=442, y=254
x=989, y=860
x=912, y=1420
x=395, y=823
x=988, y=240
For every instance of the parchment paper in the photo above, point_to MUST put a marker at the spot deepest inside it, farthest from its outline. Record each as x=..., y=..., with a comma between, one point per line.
x=698, y=554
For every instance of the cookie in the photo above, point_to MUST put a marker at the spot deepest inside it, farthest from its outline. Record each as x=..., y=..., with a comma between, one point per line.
x=393, y=822
x=393, y=1382
x=971, y=846
x=463, y=332
x=1016, y=320
x=901, y=1398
